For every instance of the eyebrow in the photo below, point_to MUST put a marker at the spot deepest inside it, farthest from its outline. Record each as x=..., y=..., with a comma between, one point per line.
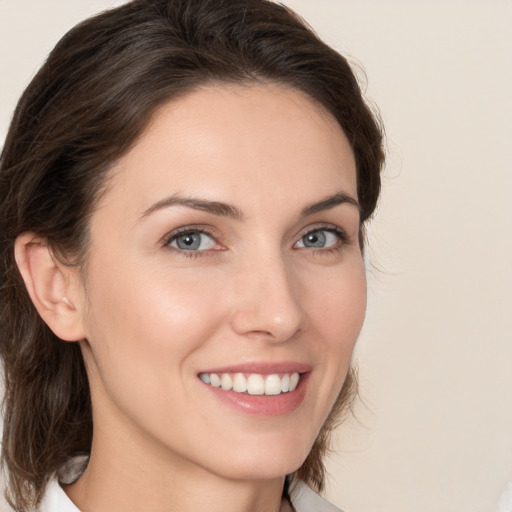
x=226, y=210
x=213, y=207
x=330, y=202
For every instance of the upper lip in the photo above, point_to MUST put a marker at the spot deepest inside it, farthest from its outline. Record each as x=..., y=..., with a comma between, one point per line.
x=262, y=367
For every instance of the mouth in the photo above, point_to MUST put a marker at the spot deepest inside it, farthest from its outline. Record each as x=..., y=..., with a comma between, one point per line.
x=253, y=383
x=259, y=389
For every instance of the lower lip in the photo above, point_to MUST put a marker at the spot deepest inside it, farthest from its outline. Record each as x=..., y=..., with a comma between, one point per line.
x=263, y=405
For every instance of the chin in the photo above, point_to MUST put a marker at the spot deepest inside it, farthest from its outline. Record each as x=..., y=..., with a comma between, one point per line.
x=263, y=458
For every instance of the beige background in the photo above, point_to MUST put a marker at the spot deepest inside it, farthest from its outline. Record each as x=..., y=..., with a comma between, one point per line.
x=435, y=357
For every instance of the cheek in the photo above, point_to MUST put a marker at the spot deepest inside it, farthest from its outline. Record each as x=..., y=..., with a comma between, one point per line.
x=339, y=305
x=150, y=311
x=150, y=324
x=144, y=329
x=338, y=315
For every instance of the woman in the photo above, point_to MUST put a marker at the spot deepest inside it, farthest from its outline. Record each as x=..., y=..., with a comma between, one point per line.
x=184, y=188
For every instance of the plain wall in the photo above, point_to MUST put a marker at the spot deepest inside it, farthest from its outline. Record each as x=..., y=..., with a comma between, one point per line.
x=435, y=356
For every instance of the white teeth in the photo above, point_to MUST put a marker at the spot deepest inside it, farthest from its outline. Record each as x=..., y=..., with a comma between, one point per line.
x=225, y=382
x=254, y=384
x=239, y=383
x=285, y=383
x=272, y=385
x=294, y=380
x=215, y=380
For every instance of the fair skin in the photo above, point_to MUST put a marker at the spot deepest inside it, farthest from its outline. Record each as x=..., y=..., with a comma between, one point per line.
x=178, y=286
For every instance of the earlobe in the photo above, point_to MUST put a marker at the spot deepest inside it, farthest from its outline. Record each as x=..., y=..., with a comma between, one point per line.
x=51, y=287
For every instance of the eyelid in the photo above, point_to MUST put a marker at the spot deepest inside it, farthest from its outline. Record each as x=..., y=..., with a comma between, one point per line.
x=183, y=230
x=332, y=228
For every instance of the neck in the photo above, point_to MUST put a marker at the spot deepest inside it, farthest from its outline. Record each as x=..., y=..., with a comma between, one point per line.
x=123, y=475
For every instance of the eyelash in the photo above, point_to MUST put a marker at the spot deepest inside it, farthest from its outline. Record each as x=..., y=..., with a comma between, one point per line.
x=329, y=228
x=174, y=235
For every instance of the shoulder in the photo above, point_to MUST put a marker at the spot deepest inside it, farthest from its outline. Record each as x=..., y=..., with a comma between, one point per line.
x=304, y=499
x=56, y=500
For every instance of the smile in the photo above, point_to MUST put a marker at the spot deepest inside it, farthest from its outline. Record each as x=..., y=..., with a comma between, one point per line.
x=253, y=383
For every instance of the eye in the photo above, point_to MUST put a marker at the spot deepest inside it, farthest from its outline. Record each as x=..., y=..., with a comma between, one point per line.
x=193, y=240
x=320, y=239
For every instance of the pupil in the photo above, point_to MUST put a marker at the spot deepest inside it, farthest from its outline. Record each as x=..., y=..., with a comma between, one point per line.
x=315, y=239
x=189, y=241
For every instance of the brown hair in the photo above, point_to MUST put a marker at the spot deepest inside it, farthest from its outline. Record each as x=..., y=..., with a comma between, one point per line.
x=83, y=110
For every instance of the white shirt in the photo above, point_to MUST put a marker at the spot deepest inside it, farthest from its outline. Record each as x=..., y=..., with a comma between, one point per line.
x=303, y=499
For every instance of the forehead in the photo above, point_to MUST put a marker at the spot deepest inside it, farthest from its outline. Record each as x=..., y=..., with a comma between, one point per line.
x=237, y=142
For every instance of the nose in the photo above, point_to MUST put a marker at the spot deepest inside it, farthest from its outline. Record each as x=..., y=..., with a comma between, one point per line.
x=267, y=301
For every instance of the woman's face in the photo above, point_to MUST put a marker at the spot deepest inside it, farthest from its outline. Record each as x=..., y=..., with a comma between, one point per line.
x=225, y=252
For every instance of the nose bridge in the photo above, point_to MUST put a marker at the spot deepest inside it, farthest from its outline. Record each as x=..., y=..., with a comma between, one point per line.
x=267, y=298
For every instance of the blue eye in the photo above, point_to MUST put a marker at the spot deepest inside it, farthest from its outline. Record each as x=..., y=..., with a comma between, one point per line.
x=192, y=241
x=319, y=239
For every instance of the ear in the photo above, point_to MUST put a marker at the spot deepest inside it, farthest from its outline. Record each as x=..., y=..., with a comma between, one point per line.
x=53, y=287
